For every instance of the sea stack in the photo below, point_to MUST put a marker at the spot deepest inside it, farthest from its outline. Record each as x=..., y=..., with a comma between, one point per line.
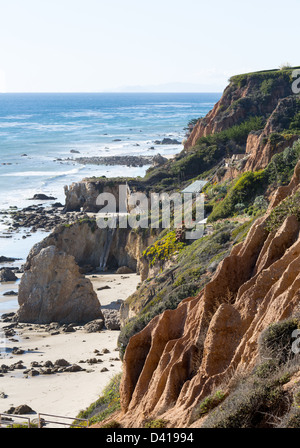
x=54, y=290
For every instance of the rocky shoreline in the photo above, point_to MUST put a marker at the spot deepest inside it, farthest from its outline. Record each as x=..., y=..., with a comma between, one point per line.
x=130, y=161
x=133, y=161
x=41, y=363
x=15, y=329
x=38, y=217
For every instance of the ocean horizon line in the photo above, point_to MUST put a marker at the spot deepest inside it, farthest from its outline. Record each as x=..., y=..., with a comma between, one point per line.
x=109, y=92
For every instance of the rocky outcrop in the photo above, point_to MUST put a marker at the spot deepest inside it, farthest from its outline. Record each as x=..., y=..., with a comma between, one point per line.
x=7, y=275
x=260, y=148
x=167, y=141
x=94, y=248
x=182, y=355
x=116, y=160
x=245, y=96
x=83, y=195
x=263, y=94
x=53, y=290
x=158, y=160
x=287, y=190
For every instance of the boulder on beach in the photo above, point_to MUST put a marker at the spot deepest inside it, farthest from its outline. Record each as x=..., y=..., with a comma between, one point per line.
x=124, y=270
x=112, y=319
x=94, y=326
x=7, y=275
x=54, y=290
x=23, y=409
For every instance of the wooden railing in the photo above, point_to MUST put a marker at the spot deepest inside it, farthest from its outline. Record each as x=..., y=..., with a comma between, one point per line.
x=77, y=421
x=9, y=420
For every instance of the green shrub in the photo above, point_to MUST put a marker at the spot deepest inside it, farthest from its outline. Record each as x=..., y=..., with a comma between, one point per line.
x=22, y=426
x=237, y=133
x=223, y=237
x=111, y=424
x=107, y=404
x=291, y=420
x=209, y=403
x=265, y=369
x=247, y=187
x=163, y=249
x=275, y=74
x=295, y=123
x=281, y=167
x=159, y=423
x=289, y=206
x=267, y=86
x=241, y=231
x=250, y=187
x=247, y=407
x=276, y=341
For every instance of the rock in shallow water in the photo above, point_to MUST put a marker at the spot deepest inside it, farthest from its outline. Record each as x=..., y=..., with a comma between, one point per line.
x=7, y=275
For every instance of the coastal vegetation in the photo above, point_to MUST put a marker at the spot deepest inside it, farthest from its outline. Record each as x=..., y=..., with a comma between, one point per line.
x=261, y=398
x=107, y=403
x=193, y=263
x=204, y=156
x=191, y=268
x=267, y=78
x=290, y=206
x=248, y=193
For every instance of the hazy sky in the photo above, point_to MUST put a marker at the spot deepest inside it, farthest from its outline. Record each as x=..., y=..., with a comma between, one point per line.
x=171, y=45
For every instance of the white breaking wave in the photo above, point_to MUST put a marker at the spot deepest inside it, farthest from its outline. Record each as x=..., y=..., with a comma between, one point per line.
x=49, y=174
x=86, y=114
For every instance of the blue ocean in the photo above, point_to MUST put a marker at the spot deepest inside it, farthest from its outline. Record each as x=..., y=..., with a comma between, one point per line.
x=37, y=129
x=39, y=132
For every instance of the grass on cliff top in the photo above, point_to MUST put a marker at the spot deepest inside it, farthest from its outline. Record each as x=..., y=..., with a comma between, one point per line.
x=241, y=79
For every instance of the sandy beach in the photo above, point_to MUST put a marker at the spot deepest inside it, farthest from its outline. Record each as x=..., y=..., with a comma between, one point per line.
x=65, y=393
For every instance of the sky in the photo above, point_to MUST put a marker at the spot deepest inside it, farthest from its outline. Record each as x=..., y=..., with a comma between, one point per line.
x=141, y=45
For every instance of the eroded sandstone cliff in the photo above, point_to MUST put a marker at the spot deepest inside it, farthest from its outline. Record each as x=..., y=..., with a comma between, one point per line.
x=239, y=101
x=263, y=94
x=182, y=355
x=96, y=248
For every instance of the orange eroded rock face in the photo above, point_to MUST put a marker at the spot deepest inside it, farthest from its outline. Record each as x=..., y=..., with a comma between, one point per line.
x=183, y=354
x=237, y=104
